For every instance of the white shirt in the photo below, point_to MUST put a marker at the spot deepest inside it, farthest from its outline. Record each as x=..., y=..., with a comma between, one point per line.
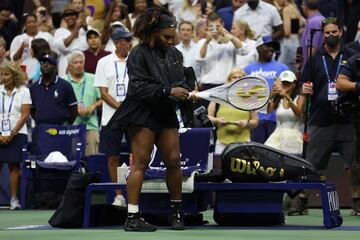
x=26, y=57
x=247, y=54
x=21, y=96
x=262, y=19
x=218, y=62
x=188, y=53
x=78, y=43
x=174, y=6
x=105, y=76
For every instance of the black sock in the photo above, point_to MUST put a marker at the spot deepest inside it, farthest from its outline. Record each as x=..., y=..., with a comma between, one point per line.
x=132, y=215
x=175, y=206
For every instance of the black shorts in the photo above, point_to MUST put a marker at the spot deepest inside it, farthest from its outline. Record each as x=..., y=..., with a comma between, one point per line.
x=111, y=142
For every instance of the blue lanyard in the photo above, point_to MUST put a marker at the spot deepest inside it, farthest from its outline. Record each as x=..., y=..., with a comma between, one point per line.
x=117, y=73
x=10, y=106
x=83, y=89
x=327, y=71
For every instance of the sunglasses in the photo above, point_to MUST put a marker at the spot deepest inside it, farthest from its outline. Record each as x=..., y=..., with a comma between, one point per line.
x=329, y=20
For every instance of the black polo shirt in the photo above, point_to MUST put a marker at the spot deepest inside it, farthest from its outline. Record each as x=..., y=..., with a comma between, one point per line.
x=314, y=71
x=51, y=103
x=352, y=68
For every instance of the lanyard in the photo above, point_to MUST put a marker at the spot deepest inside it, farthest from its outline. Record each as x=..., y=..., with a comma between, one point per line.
x=83, y=89
x=10, y=106
x=117, y=73
x=327, y=71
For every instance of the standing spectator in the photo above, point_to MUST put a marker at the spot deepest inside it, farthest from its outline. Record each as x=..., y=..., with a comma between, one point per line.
x=69, y=39
x=289, y=107
x=39, y=47
x=325, y=129
x=216, y=54
x=139, y=7
x=232, y=125
x=88, y=98
x=44, y=20
x=15, y=104
x=352, y=18
x=20, y=49
x=292, y=20
x=112, y=78
x=8, y=27
x=227, y=13
x=313, y=21
x=247, y=54
x=94, y=53
x=262, y=17
x=174, y=6
x=53, y=98
x=269, y=69
x=118, y=12
x=187, y=46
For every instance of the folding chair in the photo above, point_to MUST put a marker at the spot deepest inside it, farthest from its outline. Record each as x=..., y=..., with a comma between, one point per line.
x=70, y=140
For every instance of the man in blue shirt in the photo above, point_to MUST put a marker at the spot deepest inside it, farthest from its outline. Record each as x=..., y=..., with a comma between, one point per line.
x=269, y=69
x=227, y=13
x=53, y=98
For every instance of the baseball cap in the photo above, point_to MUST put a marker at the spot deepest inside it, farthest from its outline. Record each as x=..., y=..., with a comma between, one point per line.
x=116, y=23
x=48, y=58
x=267, y=40
x=287, y=76
x=92, y=30
x=69, y=11
x=120, y=33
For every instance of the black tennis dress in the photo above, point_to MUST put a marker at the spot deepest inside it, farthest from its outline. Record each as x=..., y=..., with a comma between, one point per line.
x=152, y=74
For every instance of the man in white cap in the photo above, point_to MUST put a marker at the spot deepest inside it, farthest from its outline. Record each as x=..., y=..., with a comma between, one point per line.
x=112, y=78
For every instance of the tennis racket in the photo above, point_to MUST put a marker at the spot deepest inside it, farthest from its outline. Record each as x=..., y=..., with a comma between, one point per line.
x=248, y=93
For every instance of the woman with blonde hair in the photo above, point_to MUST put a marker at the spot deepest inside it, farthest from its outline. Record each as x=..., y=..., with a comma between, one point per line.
x=15, y=101
x=247, y=53
x=232, y=125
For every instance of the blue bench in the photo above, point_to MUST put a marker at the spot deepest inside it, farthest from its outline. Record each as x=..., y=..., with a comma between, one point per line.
x=227, y=203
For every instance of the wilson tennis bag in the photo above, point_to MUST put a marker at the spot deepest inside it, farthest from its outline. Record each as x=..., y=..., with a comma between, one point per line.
x=255, y=162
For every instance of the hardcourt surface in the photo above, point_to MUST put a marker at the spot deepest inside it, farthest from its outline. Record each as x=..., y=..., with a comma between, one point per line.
x=300, y=227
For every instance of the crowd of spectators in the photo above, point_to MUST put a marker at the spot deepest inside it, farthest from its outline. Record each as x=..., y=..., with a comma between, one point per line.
x=73, y=55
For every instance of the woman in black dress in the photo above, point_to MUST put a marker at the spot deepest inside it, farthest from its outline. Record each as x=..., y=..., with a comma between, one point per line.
x=156, y=85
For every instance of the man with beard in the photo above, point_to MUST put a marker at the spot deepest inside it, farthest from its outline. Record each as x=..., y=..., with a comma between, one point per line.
x=269, y=69
x=66, y=40
x=326, y=131
x=262, y=17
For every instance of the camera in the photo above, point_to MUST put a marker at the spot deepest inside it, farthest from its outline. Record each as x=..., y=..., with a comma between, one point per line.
x=200, y=114
x=42, y=13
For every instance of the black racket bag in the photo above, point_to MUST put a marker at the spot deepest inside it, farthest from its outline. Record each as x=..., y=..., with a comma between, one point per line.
x=255, y=162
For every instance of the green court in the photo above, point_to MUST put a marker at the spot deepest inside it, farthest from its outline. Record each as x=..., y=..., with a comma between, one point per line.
x=32, y=224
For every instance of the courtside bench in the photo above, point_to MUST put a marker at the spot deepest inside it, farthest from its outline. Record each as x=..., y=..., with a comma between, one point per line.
x=232, y=197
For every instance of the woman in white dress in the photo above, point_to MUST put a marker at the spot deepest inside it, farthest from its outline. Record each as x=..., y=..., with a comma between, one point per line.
x=285, y=100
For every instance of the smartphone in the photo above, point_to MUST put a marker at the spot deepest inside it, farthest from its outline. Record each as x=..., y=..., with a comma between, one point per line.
x=42, y=13
x=299, y=50
x=203, y=7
